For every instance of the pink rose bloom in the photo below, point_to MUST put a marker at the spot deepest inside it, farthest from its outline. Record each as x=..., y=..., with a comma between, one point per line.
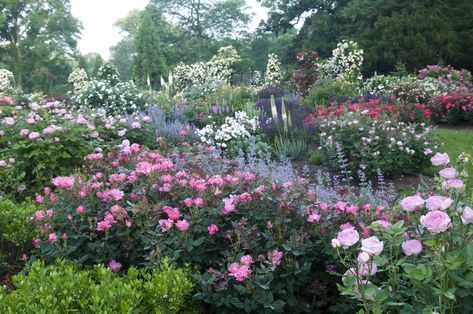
x=34, y=136
x=348, y=237
x=114, y=265
x=39, y=199
x=36, y=243
x=212, y=229
x=372, y=246
x=182, y=225
x=467, y=216
x=340, y=205
x=411, y=247
x=39, y=214
x=24, y=132
x=240, y=273
x=412, y=203
x=448, y=173
x=365, y=269
x=166, y=178
x=188, y=202
x=165, y=188
x=246, y=260
x=363, y=257
x=454, y=183
x=336, y=243
x=288, y=185
x=9, y=121
x=173, y=213
x=439, y=202
x=64, y=182
x=275, y=257
x=229, y=207
x=199, y=201
x=346, y=225
x=260, y=189
x=52, y=237
x=440, y=159
x=436, y=221
x=314, y=217
x=136, y=125
x=245, y=197
x=165, y=224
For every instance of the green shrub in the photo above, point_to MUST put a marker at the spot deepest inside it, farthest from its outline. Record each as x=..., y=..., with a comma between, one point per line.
x=63, y=288
x=326, y=90
x=286, y=146
x=15, y=222
x=315, y=158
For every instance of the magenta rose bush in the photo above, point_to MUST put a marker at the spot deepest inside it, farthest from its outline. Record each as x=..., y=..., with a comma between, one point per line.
x=259, y=245
x=422, y=260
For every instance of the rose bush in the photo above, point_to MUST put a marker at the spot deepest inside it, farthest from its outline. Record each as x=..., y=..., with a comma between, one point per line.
x=422, y=262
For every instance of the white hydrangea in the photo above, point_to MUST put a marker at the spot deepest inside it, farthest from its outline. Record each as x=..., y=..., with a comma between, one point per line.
x=78, y=78
x=345, y=62
x=274, y=75
x=7, y=81
x=240, y=126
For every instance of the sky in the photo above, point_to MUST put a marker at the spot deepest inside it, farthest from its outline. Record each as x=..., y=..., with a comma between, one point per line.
x=98, y=17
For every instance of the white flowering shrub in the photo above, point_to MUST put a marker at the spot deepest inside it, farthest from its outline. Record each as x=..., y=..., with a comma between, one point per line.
x=114, y=99
x=7, y=82
x=345, y=62
x=233, y=128
x=274, y=75
x=78, y=78
x=207, y=74
x=356, y=141
x=108, y=72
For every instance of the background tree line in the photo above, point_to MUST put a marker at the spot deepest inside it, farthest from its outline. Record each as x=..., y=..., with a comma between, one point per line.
x=38, y=39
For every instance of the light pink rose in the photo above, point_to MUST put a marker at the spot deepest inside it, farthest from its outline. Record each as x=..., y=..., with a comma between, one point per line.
x=411, y=247
x=363, y=257
x=348, y=237
x=448, y=173
x=383, y=223
x=275, y=257
x=436, y=221
x=52, y=237
x=453, y=183
x=336, y=243
x=166, y=224
x=240, y=273
x=246, y=260
x=467, y=216
x=34, y=136
x=365, y=269
x=372, y=246
x=412, y=203
x=439, y=202
x=114, y=265
x=440, y=159
x=199, y=201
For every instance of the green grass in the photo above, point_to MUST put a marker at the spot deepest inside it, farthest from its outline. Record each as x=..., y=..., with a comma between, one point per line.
x=455, y=142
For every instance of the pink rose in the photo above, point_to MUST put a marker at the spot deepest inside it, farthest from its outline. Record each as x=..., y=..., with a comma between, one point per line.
x=452, y=183
x=467, y=216
x=412, y=203
x=52, y=237
x=275, y=257
x=411, y=247
x=240, y=273
x=246, y=260
x=439, y=202
x=440, y=159
x=39, y=214
x=36, y=243
x=314, y=217
x=173, y=213
x=383, y=223
x=363, y=257
x=229, y=206
x=165, y=224
x=348, y=237
x=365, y=269
x=372, y=246
x=114, y=265
x=212, y=229
x=448, y=173
x=182, y=225
x=199, y=201
x=436, y=221
x=336, y=243
x=34, y=136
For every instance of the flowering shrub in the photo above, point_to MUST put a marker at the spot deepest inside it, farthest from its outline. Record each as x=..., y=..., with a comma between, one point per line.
x=373, y=142
x=78, y=78
x=233, y=128
x=109, y=73
x=345, y=62
x=451, y=108
x=255, y=241
x=448, y=77
x=206, y=75
x=421, y=260
x=306, y=75
x=115, y=99
x=63, y=287
x=7, y=81
x=273, y=75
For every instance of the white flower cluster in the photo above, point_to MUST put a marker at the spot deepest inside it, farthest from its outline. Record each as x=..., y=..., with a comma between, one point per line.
x=274, y=74
x=7, y=81
x=78, y=78
x=238, y=127
x=115, y=99
x=345, y=62
x=217, y=70
x=108, y=72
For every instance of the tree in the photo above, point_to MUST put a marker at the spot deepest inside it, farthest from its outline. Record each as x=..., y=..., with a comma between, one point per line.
x=148, y=63
x=39, y=38
x=91, y=63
